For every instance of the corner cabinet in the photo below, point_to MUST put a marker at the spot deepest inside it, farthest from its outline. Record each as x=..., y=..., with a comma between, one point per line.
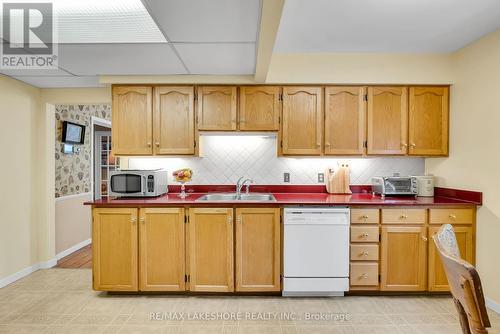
x=217, y=108
x=387, y=126
x=132, y=115
x=258, y=249
x=114, y=249
x=428, y=124
x=211, y=249
x=345, y=121
x=259, y=108
x=174, y=131
x=302, y=129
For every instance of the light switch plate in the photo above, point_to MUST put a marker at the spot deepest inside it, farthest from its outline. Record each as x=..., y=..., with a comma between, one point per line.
x=286, y=177
x=321, y=177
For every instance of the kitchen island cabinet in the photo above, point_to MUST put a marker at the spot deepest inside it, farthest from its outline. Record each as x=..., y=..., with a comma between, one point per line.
x=114, y=249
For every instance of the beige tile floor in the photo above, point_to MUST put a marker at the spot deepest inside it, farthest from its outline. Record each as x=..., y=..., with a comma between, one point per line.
x=62, y=301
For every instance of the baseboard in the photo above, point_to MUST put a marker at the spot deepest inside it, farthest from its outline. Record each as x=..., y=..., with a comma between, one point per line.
x=26, y=271
x=492, y=305
x=73, y=249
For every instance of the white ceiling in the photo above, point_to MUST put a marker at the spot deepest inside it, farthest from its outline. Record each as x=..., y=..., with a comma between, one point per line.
x=164, y=37
x=405, y=26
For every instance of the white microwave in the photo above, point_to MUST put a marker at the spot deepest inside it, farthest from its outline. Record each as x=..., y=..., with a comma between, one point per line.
x=138, y=183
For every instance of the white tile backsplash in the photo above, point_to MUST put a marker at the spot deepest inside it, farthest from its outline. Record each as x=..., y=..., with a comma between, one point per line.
x=227, y=157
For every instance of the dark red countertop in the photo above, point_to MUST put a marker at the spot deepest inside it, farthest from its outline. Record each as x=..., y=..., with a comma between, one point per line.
x=297, y=195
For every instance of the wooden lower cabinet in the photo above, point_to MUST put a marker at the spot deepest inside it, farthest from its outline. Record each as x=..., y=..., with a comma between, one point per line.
x=258, y=249
x=211, y=249
x=161, y=249
x=403, y=258
x=114, y=249
x=465, y=240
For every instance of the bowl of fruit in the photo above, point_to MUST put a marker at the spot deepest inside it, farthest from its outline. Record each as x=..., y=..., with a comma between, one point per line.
x=182, y=176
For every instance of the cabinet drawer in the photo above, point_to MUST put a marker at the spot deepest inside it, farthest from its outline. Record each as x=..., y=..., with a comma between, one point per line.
x=360, y=252
x=364, y=274
x=364, y=234
x=364, y=216
x=451, y=216
x=403, y=216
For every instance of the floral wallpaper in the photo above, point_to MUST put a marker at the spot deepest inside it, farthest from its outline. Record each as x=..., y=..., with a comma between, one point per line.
x=73, y=170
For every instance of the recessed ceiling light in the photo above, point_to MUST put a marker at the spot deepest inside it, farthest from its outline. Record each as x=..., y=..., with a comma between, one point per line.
x=104, y=21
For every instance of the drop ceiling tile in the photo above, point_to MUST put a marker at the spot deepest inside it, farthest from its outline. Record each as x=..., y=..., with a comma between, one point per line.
x=61, y=82
x=207, y=21
x=120, y=59
x=231, y=59
x=34, y=73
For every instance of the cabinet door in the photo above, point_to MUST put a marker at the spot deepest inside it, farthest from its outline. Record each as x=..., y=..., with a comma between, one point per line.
x=174, y=120
x=345, y=124
x=259, y=108
x=302, y=120
x=161, y=249
x=465, y=240
x=217, y=108
x=132, y=111
x=428, y=125
x=211, y=250
x=258, y=249
x=114, y=249
x=387, y=120
x=403, y=258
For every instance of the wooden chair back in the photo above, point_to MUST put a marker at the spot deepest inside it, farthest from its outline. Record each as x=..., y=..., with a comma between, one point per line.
x=464, y=282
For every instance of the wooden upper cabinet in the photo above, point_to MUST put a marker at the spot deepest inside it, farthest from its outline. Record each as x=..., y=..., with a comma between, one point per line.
x=465, y=241
x=258, y=249
x=403, y=258
x=217, y=108
x=428, y=125
x=174, y=120
x=211, y=250
x=132, y=111
x=387, y=130
x=161, y=249
x=259, y=108
x=302, y=120
x=345, y=123
x=114, y=249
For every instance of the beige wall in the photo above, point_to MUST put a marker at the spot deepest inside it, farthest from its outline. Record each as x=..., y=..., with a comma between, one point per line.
x=19, y=106
x=360, y=68
x=474, y=160
x=72, y=221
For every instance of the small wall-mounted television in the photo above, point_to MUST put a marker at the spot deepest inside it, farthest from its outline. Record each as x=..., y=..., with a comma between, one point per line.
x=73, y=133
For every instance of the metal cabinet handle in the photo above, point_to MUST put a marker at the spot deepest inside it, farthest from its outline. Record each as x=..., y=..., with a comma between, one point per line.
x=157, y=144
x=365, y=217
x=133, y=220
x=149, y=144
x=364, y=235
x=364, y=253
x=404, y=145
x=403, y=217
x=364, y=276
x=239, y=220
x=229, y=219
x=452, y=216
x=413, y=145
x=424, y=238
x=142, y=220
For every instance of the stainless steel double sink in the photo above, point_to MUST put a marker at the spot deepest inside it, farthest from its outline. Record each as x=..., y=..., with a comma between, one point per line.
x=234, y=197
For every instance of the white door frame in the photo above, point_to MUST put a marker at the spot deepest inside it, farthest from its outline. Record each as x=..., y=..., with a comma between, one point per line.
x=95, y=121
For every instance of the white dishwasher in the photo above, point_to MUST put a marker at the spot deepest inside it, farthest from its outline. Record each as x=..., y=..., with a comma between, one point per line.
x=316, y=251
